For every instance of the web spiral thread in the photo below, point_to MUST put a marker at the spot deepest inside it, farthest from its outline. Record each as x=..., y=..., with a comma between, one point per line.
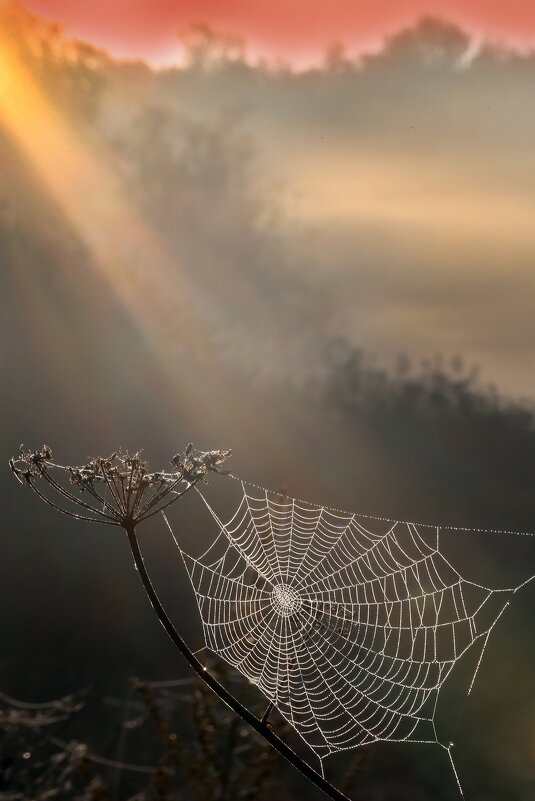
x=350, y=630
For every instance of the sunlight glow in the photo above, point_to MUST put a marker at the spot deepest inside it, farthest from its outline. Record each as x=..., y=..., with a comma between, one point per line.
x=85, y=183
x=174, y=315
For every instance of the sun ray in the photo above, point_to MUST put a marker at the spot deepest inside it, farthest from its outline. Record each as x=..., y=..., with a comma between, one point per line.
x=88, y=188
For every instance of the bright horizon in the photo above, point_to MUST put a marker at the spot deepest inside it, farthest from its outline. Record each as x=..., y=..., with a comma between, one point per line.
x=299, y=35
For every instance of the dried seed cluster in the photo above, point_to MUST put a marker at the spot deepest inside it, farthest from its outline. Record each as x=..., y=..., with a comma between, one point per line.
x=116, y=490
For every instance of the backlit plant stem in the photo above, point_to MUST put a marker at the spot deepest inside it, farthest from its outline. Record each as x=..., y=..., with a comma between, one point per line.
x=258, y=725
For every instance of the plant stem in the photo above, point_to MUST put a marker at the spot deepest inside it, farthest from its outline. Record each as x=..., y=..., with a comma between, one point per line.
x=227, y=697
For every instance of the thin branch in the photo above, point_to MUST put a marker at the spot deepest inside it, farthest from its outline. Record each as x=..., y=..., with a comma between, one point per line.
x=101, y=499
x=119, y=482
x=111, y=763
x=67, y=512
x=138, y=496
x=72, y=498
x=130, y=480
x=168, y=488
x=112, y=489
x=161, y=491
x=177, y=497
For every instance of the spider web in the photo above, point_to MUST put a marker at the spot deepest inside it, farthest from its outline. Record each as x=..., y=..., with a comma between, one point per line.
x=349, y=625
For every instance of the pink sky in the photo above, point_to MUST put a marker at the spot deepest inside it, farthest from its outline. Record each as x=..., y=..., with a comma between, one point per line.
x=291, y=29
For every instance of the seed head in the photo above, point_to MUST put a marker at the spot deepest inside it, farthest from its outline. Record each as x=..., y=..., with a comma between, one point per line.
x=117, y=490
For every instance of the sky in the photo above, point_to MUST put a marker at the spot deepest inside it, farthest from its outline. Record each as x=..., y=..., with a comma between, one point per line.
x=296, y=30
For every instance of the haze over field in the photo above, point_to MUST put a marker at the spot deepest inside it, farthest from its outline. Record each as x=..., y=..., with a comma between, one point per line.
x=393, y=194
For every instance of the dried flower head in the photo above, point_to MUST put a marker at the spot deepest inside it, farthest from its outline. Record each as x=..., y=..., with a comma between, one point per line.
x=118, y=490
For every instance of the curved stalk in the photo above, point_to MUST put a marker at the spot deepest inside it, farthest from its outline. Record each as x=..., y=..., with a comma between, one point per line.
x=258, y=725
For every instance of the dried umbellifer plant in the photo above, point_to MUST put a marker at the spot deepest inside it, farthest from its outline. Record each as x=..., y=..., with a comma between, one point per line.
x=120, y=490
